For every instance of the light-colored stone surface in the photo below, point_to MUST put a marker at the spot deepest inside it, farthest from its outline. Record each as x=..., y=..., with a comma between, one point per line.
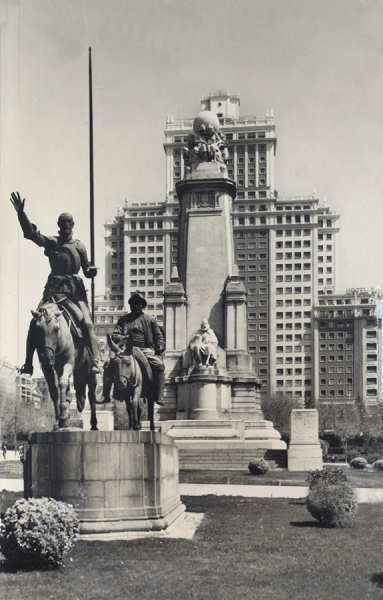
x=117, y=480
x=183, y=528
x=304, y=426
x=304, y=457
x=105, y=420
x=304, y=453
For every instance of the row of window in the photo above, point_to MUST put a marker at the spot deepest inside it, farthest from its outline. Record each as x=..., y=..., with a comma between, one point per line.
x=297, y=348
x=249, y=221
x=333, y=369
x=288, y=219
x=295, y=207
x=291, y=266
x=295, y=301
x=296, y=371
x=155, y=272
x=150, y=260
x=288, y=360
x=333, y=347
x=252, y=256
x=289, y=232
x=297, y=244
x=289, y=255
x=339, y=392
x=289, y=337
x=333, y=357
x=143, y=282
x=293, y=382
x=296, y=315
x=144, y=238
x=331, y=335
x=295, y=290
x=289, y=278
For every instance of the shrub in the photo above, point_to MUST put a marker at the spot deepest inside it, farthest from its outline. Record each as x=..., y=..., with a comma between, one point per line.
x=38, y=532
x=258, y=466
x=359, y=462
x=378, y=464
x=332, y=505
x=328, y=475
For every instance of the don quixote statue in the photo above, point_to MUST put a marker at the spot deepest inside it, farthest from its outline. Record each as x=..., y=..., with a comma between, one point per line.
x=61, y=329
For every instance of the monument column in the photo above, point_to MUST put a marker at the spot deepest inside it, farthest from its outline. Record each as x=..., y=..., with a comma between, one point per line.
x=218, y=418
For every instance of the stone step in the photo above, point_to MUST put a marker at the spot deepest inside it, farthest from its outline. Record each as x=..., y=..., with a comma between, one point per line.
x=238, y=459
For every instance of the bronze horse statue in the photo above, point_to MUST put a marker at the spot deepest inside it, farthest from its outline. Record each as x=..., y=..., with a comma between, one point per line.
x=61, y=359
x=132, y=379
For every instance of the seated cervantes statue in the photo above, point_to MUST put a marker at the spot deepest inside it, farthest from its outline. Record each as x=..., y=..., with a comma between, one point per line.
x=203, y=347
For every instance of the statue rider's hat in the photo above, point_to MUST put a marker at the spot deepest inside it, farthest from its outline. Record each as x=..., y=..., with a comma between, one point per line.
x=137, y=298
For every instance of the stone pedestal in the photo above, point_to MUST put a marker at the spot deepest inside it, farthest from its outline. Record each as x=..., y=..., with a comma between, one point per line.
x=204, y=395
x=304, y=453
x=227, y=444
x=116, y=480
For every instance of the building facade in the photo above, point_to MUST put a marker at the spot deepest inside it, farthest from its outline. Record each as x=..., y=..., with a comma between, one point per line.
x=348, y=348
x=284, y=248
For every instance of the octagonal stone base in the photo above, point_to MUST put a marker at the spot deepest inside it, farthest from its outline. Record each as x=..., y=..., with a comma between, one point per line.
x=116, y=480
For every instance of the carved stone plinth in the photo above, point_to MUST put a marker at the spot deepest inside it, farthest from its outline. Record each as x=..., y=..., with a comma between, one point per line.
x=116, y=480
x=204, y=395
x=305, y=453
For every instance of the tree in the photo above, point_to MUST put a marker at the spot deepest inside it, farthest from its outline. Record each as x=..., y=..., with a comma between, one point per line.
x=277, y=408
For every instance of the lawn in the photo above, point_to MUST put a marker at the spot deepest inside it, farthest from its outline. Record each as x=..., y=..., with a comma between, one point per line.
x=245, y=548
x=357, y=478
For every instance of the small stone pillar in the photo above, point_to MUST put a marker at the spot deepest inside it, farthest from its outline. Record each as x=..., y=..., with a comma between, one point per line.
x=175, y=313
x=175, y=303
x=235, y=298
x=304, y=453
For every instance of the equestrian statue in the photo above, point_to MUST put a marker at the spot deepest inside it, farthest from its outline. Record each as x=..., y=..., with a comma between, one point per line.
x=136, y=367
x=61, y=329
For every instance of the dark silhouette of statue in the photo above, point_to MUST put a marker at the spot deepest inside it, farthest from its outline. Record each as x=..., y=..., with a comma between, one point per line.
x=67, y=256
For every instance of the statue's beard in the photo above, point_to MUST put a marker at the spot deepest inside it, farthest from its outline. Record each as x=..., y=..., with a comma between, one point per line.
x=65, y=236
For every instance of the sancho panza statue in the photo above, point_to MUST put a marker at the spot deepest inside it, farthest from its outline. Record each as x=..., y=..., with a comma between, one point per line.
x=66, y=256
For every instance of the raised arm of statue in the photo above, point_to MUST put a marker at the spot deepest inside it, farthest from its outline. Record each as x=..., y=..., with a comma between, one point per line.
x=29, y=229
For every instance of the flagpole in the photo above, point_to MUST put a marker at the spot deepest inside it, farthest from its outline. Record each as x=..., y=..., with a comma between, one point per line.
x=91, y=175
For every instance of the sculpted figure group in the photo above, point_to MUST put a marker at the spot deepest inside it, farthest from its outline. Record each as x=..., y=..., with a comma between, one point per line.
x=63, y=334
x=207, y=144
x=62, y=331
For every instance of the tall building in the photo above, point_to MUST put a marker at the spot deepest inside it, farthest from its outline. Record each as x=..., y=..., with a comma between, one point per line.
x=141, y=246
x=348, y=348
x=284, y=248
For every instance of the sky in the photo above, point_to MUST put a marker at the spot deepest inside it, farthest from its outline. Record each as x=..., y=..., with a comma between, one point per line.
x=317, y=63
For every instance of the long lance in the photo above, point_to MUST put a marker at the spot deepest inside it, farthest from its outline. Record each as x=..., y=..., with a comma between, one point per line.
x=91, y=204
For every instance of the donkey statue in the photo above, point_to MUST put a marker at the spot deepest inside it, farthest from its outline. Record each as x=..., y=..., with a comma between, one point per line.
x=61, y=359
x=132, y=378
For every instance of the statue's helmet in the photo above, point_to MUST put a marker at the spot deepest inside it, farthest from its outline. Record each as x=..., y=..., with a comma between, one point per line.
x=206, y=123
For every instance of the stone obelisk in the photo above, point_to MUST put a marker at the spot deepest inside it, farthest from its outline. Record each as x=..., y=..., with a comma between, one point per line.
x=214, y=388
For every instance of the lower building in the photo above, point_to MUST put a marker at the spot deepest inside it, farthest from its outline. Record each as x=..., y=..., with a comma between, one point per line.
x=348, y=349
